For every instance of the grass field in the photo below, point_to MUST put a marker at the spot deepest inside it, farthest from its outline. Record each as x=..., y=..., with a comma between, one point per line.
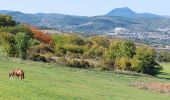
x=166, y=67
x=54, y=82
x=166, y=71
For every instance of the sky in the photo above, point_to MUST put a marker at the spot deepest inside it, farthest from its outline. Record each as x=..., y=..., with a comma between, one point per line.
x=85, y=7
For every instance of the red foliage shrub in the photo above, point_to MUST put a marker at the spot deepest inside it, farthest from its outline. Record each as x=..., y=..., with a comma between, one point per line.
x=45, y=38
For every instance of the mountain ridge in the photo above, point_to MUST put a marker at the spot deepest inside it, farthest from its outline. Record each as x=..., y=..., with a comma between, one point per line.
x=94, y=24
x=117, y=12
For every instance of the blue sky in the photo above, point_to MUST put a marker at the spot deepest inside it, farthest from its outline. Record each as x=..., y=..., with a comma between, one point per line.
x=85, y=7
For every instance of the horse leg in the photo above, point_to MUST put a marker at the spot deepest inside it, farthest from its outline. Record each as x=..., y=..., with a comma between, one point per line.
x=12, y=77
x=21, y=77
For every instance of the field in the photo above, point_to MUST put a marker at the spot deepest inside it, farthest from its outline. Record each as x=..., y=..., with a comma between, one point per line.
x=166, y=72
x=54, y=82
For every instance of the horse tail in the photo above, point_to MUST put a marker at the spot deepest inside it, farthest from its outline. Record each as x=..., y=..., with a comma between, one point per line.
x=22, y=74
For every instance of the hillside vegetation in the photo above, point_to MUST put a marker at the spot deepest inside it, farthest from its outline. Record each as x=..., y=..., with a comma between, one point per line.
x=101, y=52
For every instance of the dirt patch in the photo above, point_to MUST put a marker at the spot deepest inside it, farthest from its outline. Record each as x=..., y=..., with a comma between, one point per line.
x=158, y=87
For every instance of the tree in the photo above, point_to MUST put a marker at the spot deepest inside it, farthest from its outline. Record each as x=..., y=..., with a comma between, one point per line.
x=112, y=53
x=8, y=43
x=122, y=48
x=22, y=40
x=127, y=48
x=6, y=20
x=146, y=56
x=114, y=48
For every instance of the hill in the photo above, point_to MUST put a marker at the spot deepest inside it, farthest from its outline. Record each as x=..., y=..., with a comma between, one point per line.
x=127, y=12
x=120, y=17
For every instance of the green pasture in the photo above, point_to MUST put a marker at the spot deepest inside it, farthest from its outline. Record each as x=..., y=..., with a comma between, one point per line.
x=165, y=73
x=53, y=82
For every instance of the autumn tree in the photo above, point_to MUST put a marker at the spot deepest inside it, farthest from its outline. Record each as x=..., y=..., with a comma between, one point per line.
x=45, y=38
x=112, y=53
x=127, y=49
x=114, y=49
x=123, y=63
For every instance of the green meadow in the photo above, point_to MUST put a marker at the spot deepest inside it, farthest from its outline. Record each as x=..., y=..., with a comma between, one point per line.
x=165, y=73
x=45, y=81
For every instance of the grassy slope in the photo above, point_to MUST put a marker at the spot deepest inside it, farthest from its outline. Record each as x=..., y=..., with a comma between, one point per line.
x=166, y=71
x=166, y=67
x=53, y=82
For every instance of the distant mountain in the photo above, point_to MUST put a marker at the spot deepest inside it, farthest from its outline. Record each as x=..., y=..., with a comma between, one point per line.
x=117, y=18
x=122, y=12
x=126, y=12
x=4, y=11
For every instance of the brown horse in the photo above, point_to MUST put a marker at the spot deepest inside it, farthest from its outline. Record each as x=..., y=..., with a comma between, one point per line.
x=18, y=73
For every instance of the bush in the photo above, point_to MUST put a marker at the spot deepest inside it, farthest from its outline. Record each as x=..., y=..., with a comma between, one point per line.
x=73, y=55
x=61, y=61
x=34, y=42
x=38, y=58
x=40, y=53
x=41, y=49
x=15, y=29
x=123, y=63
x=147, y=56
x=45, y=38
x=77, y=40
x=95, y=52
x=78, y=64
x=72, y=49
